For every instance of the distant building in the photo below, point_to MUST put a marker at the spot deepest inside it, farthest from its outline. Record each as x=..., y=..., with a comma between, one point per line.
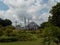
x=32, y=26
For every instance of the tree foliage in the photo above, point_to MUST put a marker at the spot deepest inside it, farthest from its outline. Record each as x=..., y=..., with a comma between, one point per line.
x=45, y=24
x=5, y=22
x=51, y=29
x=51, y=34
x=55, y=11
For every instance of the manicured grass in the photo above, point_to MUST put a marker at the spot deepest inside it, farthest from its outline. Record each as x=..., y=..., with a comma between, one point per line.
x=38, y=42
x=21, y=43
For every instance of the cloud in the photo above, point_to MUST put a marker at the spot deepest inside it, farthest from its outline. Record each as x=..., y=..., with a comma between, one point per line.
x=58, y=0
x=31, y=9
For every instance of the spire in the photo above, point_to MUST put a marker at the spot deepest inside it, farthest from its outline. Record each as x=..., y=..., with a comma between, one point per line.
x=24, y=21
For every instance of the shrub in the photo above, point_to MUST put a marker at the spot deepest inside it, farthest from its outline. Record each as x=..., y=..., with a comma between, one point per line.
x=26, y=37
x=7, y=39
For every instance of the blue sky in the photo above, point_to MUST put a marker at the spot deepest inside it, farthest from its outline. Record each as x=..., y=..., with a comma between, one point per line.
x=45, y=1
x=35, y=10
x=3, y=6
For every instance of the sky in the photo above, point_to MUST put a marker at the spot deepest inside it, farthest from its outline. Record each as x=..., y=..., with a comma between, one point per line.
x=34, y=10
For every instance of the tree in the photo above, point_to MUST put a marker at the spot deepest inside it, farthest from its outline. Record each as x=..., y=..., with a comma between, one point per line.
x=1, y=21
x=45, y=24
x=5, y=22
x=55, y=11
x=51, y=34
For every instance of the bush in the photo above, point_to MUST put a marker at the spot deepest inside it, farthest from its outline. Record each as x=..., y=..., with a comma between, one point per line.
x=8, y=39
x=9, y=34
x=26, y=37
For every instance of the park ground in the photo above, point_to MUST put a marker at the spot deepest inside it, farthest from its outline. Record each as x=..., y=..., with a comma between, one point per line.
x=37, y=42
x=22, y=43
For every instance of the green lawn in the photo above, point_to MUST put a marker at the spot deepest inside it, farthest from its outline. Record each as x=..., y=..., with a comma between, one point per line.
x=22, y=43
x=38, y=42
x=35, y=42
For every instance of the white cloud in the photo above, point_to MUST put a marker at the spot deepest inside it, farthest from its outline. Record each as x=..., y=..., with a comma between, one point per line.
x=27, y=8
x=58, y=0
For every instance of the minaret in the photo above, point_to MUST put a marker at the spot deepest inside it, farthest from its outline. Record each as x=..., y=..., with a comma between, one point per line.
x=15, y=23
x=28, y=21
x=24, y=21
